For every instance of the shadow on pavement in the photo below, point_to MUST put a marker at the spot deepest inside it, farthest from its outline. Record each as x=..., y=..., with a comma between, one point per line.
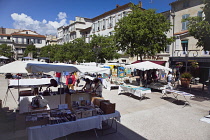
x=123, y=133
x=133, y=96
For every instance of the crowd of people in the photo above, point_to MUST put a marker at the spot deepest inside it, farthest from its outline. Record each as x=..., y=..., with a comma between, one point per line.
x=72, y=79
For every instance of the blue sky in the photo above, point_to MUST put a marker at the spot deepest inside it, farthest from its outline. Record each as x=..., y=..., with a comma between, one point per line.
x=45, y=16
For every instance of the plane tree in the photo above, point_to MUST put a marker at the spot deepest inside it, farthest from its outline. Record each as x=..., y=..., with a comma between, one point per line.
x=142, y=32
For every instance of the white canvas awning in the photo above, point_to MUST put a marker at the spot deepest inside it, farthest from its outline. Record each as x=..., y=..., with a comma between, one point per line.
x=60, y=67
x=3, y=57
x=16, y=67
x=147, y=65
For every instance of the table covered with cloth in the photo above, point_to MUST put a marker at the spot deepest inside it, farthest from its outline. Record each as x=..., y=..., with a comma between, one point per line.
x=29, y=82
x=50, y=132
x=53, y=102
x=135, y=90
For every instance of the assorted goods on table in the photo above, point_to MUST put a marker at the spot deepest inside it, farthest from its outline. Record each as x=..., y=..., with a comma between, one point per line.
x=78, y=105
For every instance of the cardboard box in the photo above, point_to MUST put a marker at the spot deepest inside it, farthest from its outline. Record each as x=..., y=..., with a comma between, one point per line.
x=86, y=113
x=78, y=97
x=97, y=101
x=78, y=114
x=108, y=107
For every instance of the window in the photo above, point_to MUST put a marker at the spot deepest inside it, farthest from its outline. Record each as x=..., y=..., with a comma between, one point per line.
x=199, y=13
x=99, y=25
x=39, y=41
x=104, y=24
x=186, y=4
x=184, y=46
x=93, y=26
x=28, y=41
x=124, y=14
x=16, y=40
x=8, y=37
x=22, y=40
x=167, y=49
x=185, y=23
x=111, y=22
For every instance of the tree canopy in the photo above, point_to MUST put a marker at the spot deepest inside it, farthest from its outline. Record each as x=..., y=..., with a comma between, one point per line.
x=31, y=49
x=103, y=48
x=199, y=27
x=142, y=32
x=5, y=50
x=99, y=49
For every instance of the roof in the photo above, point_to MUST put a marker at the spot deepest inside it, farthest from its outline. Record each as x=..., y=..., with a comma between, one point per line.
x=178, y=33
x=5, y=35
x=118, y=8
x=175, y=2
x=17, y=34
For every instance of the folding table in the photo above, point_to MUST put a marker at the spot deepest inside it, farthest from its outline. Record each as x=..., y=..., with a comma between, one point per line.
x=176, y=93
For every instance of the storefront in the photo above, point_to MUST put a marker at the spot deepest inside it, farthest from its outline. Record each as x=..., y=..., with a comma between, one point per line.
x=187, y=64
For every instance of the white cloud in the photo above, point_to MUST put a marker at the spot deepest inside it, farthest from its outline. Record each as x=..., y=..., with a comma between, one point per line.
x=25, y=22
x=62, y=15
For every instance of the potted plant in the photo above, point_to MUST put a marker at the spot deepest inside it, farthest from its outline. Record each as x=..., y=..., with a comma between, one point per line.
x=186, y=79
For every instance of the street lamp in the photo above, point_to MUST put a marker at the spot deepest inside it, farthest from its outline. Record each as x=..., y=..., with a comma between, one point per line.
x=173, y=17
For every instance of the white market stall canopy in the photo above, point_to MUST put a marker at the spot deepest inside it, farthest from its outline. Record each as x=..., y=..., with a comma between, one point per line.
x=147, y=65
x=3, y=57
x=16, y=67
x=60, y=67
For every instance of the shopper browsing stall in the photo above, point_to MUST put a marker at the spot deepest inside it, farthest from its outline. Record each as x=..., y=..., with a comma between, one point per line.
x=97, y=89
x=70, y=81
x=88, y=85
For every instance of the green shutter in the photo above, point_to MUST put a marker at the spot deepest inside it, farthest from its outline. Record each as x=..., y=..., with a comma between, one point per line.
x=184, y=41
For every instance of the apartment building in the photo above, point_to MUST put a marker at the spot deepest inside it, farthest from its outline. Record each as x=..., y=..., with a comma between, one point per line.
x=51, y=40
x=184, y=48
x=20, y=39
x=72, y=31
x=100, y=25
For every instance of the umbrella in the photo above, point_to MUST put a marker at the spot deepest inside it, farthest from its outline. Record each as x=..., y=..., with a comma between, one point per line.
x=3, y=57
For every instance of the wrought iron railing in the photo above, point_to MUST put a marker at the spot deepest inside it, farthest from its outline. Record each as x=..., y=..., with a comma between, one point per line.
x=181, y=53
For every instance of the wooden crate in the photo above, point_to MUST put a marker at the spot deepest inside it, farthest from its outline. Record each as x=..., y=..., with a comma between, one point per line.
x=108, y=107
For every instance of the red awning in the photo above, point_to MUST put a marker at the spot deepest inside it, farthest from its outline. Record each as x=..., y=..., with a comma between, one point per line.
x=157, y=62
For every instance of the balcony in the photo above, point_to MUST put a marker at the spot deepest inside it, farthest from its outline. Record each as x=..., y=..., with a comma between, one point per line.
x=188, y=53
x=6, y=41
x=23, y=43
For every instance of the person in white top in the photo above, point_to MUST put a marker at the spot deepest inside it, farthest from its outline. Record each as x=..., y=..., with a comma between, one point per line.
x=169, y=77
x=97, y=87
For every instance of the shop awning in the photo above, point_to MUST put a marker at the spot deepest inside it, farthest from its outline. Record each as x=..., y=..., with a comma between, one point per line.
x=157, y=62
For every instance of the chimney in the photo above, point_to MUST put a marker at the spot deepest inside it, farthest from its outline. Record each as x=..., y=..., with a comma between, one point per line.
x=117, y=5
x=140, y=4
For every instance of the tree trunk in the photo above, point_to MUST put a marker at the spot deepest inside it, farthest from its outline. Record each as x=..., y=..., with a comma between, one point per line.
x=140, y=57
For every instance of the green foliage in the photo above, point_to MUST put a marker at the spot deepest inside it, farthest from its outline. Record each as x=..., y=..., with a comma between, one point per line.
x=102, y=48
x=31, y=49
x=142, y=32
x=199, y=27
x=5, y=50
x=186, y=75
x=99, y=49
